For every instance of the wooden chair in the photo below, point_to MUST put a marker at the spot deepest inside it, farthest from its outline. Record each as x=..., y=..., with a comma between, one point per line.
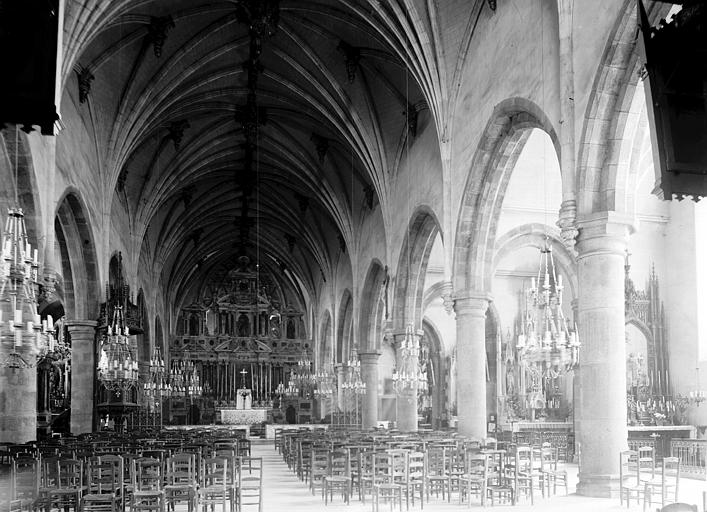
x=414, y=481
x=250, y=483
x=437, y=477
x=384, y=486
x=550, y=475
x=665, y=486
x=214, y=483
x=520, y=473
x=181, y=480
x=62, y=483
x=338, y=475
x=146, y=484
x=629, y=481
x=24, y=481
x=646, y=462
x=319, y=464
x=105, y=487
x=474, y=479
x=498, y=486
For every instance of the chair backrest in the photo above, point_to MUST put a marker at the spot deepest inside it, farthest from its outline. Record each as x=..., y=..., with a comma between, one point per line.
x=548, y=458
x=104, y=477
x=146, y=474
x=670, y=477
x=214, y=472
x=416, y=465
x=180, y=468
x=628, y=467
x=24, y=478
x=524, y=459
x=69, y=474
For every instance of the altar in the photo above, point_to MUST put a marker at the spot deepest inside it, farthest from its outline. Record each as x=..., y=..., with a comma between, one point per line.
x=231, y=416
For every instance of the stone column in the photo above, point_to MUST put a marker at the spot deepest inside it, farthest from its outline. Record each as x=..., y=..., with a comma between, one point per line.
x=83, y=357
x=471, y=309
x=406, y=402
x=18, y=404
x=369, y=375
x=602, y=380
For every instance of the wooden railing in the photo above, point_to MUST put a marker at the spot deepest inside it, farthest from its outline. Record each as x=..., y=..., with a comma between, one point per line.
x=692, y=454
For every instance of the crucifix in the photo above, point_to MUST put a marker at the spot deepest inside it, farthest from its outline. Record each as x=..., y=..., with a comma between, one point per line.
x=243, y=374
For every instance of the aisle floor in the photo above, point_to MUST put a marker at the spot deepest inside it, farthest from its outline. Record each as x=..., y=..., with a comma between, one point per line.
x=283, y=491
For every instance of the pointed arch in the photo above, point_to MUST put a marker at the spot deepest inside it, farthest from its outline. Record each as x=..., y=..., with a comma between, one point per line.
x=372, y=308
x=501, y=144
x=78, y=263
x=343, y=331
x=412, y=267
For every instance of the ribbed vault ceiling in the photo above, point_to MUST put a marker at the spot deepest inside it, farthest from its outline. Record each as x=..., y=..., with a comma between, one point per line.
x=177, y=88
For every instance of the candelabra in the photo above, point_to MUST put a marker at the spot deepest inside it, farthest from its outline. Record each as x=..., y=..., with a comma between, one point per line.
x=23, y=337
x=117, y=364
x=156, y=388
x=546, y=345
x=410, y=375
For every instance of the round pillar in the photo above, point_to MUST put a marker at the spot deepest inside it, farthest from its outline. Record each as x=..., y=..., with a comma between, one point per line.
x=83, y=357
x=18, y=404
x=369, y=375
x=471, y=363
x=602, y=432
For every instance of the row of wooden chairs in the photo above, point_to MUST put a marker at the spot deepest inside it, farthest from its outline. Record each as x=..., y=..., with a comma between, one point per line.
x=639, y=480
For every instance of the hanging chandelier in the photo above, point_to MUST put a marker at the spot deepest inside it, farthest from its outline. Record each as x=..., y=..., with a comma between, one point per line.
x=291, y=390
x=117, y=364
x=353, y=383
x=410, y=375
x=324, y=384
x=304, y=376
x=22, y=337
x=546, y=345
x=157, y=385
x=184, y=379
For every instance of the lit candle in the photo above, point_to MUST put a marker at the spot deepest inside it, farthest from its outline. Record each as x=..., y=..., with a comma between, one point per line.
x=50, y=322
x=35, y=255
x=30, y=325
x=18, y=316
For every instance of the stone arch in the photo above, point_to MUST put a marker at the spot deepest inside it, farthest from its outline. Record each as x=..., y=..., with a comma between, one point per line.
x=601, y=171
x=325, y=351
x=499, y=148
x=536, y=235
x=343, y=331
x=77, y=250
x=412, y=268
x=371, y=314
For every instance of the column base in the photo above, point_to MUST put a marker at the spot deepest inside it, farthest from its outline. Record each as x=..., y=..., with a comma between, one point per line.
x=598, y=486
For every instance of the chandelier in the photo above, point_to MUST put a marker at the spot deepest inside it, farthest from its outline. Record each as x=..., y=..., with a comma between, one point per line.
x=324, y=387
x=117, y=365
x=184, y=379
x=304, y=377
x=291, y=390
x=157, y=385
x=410, y=375
x=22, y=336
x=546, y=345
x=353, y=384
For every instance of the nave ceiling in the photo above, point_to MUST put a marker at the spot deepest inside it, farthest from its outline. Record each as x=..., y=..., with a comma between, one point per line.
x=266, y=128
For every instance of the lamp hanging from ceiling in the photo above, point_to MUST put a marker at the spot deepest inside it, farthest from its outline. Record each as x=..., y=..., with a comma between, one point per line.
x=22, y=336
x=409, y=375
x=117, y=364
x=546, y=345
x=353, y=383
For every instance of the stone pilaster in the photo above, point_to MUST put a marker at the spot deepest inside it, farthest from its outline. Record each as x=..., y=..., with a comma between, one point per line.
x=83, y=362
x=369, y=375
x=471, y=309
x=18, y=404
x=602, y=430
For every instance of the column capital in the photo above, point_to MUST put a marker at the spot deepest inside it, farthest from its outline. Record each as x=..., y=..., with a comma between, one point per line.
x=470, y=302
x=369, y=357
x=77, y=325
x=604, y=233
